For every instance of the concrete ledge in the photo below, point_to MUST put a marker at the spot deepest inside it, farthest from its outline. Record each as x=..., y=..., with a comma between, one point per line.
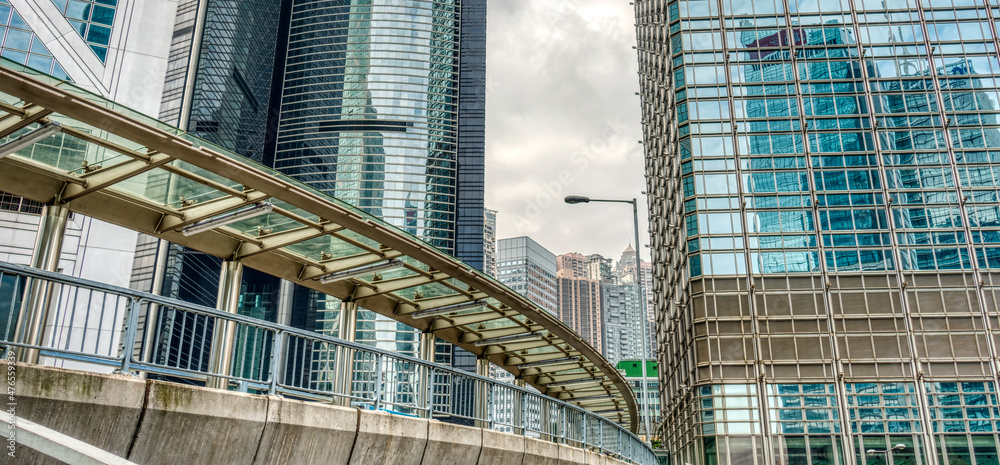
x=538, y=452
x=190, y=424
x=501, y=448
x=98, y=409
x=306, y=432
x=449, y=444
x=153, y=422
x=571, y=455
x=385, y=439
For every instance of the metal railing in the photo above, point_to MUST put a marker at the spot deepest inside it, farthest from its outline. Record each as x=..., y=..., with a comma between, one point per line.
x=93, y=324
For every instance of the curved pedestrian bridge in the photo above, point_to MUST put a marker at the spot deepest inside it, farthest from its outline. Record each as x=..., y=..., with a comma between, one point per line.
x=105, y=161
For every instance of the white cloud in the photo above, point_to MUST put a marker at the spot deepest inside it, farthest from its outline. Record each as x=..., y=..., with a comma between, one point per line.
x=563, y=118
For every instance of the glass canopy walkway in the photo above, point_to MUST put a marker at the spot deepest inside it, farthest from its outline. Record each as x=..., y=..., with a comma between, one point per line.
x=103, y=160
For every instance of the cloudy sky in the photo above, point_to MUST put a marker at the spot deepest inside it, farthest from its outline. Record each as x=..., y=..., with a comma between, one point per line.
x=562, y=119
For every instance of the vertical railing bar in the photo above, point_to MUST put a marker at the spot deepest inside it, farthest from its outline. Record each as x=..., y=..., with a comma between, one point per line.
x=13, y=298
x=277, y=356
x=378, y=381
x=90, y=301
x=115, y=321
x=131, y=327
x=429, y=389
x=58, y=313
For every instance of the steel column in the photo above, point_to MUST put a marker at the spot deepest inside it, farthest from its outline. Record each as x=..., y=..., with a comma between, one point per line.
x=482, y=393
x=224, y=332
x=286, y=294
x=348, y=320
x=30, y=327
x=428, y=343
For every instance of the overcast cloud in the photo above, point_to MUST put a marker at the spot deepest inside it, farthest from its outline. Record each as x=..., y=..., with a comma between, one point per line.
x=563, y=118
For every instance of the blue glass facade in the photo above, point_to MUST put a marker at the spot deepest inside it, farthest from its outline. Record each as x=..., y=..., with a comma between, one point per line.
x=823, y=189
x=369, y=111
x=92, y=20
x=20, y=43
x=358, y=98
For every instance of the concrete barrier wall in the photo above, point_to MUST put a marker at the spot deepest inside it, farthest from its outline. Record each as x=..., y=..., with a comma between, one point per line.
x=153, y=422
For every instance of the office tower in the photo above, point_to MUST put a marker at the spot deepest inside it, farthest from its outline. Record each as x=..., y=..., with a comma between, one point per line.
x=103, y=48
x=529, y=269
x=579, y=298
x=624, y=272
x=380, y=104
x=383, y=107
x=621, y=326
x=823, y=198
x=490, y=242
x=108, y=48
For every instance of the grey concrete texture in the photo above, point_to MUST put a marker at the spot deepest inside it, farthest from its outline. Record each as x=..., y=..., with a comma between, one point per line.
x=501, y=448
x=571, y=455
x=449, y=444
x=538, y=452
x=102, y=410
x=385, y=439
x=154, y=422
x=213, y=426
x=306, y=432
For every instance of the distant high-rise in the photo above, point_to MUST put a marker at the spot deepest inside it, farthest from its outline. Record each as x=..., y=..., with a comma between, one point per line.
x=579, y=298
x=625, y=273
x=621, y=325
x=490, y=242
x=600, y=268
x=530, y=269
x=823, y=182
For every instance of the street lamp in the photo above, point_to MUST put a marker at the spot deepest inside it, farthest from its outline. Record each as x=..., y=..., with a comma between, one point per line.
x=575, y=199
x=887, y=452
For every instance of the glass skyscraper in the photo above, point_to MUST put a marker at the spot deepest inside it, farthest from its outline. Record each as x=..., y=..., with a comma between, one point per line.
x=823, y=182
x=377, y=102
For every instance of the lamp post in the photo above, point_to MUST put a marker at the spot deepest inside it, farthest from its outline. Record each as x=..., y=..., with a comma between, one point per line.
x=887, y=452
x=575, y=199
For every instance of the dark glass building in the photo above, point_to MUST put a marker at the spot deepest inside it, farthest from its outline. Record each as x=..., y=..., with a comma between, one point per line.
x=379, y=103
x=823, y=181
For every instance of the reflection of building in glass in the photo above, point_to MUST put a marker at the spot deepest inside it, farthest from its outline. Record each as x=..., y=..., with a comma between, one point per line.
x=824, y=184
x=379, y=103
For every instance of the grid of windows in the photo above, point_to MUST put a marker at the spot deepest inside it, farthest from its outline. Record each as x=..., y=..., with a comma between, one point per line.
x=530, y=269
x=93, y=20
x=369, y=112
x=23, y=46
x=14, y=203
x=823, y=180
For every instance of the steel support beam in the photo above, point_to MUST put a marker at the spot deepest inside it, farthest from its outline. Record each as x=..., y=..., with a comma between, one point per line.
x=286, y=294
x=224, y=332
x=34, y=313
x=348, y=320
x=398, y=284
x=428, y=348
x=112, y=175
x=282, y=239
x=482, y=406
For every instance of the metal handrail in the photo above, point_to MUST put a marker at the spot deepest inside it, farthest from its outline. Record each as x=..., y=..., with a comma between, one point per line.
x=297, y=352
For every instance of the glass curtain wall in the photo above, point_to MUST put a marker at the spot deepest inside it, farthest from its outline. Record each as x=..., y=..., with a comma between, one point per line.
x=824, y=183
